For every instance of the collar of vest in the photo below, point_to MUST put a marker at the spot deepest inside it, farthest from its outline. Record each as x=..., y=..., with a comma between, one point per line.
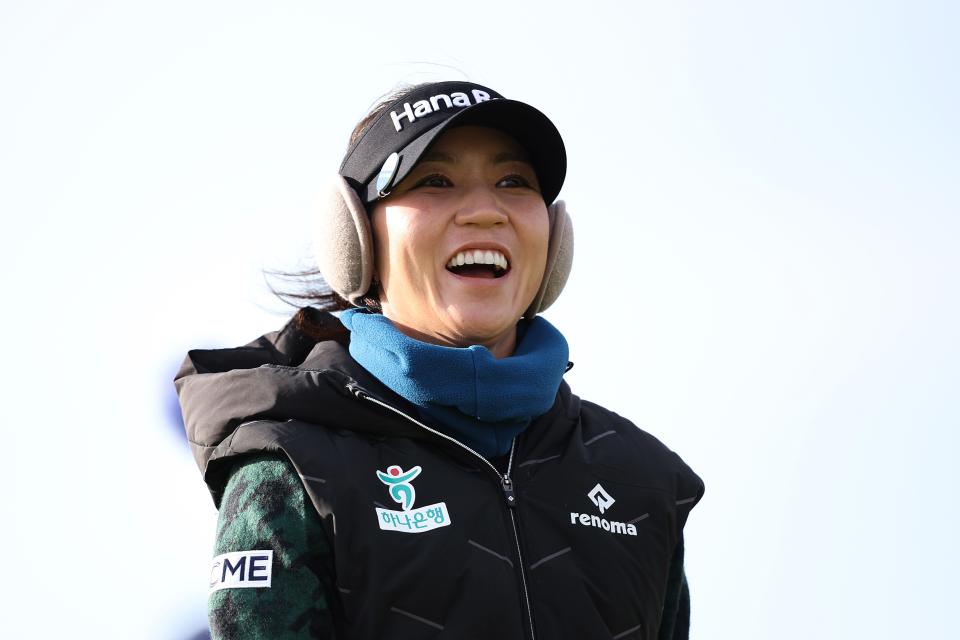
x=288, y=375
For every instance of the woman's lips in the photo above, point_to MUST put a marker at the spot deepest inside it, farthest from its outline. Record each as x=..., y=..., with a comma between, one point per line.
x=479, y=264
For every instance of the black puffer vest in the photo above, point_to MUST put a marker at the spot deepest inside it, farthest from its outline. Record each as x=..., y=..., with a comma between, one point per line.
x=572, y=539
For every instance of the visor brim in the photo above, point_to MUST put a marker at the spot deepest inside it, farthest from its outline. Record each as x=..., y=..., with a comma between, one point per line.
x=528, y=126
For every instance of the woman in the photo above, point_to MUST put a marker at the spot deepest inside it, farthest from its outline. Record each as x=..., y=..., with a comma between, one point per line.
x=418, y=468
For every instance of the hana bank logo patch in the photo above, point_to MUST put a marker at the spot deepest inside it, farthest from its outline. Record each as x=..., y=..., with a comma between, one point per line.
x=399, y=481
x=409, y=520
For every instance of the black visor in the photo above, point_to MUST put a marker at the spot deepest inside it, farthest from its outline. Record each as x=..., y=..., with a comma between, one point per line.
x=396, y=140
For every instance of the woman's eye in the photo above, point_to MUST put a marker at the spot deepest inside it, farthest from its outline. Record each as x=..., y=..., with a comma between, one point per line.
x=513, y=181
x=435, y=180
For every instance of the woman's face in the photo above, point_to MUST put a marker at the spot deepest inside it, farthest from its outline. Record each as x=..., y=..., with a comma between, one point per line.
x=473, y=199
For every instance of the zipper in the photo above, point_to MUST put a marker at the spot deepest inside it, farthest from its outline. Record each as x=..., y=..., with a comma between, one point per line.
x=512, y=503
x=505, y=483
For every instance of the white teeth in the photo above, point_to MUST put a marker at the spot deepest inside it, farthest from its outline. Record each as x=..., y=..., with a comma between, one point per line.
x=478, y=256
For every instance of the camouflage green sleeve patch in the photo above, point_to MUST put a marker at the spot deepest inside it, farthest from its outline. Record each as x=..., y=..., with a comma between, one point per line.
x=265, y=508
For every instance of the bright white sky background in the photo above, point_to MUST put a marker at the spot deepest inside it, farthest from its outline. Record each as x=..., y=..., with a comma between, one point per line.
x=766, y=203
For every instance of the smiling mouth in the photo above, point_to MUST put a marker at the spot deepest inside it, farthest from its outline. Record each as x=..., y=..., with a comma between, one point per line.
x=479, y=263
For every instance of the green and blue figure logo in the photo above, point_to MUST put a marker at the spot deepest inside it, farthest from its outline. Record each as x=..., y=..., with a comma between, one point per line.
x=399, y=481
x=410, y=520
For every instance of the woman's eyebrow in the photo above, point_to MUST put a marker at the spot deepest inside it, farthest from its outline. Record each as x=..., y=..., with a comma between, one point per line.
x=500, y=158
x=510, y=156
x=437, y=156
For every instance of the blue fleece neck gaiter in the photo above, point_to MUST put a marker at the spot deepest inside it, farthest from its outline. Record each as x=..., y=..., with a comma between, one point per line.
x=466, y=392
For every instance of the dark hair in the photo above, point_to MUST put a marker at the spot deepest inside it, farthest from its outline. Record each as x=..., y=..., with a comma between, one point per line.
x=312, y=289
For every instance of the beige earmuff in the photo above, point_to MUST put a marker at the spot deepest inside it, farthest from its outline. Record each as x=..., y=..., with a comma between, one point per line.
x=344, y=247
x=559, y=259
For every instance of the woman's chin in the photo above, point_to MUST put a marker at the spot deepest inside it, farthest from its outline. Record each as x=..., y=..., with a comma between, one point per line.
x=480, y=324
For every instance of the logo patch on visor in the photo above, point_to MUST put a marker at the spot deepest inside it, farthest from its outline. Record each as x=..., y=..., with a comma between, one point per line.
x=425, y=107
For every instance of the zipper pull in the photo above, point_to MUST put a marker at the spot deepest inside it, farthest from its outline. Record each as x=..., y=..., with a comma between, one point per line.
x=507, y=485
x=355, y=389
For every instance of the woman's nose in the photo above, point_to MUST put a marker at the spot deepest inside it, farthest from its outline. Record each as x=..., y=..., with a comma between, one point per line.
x=480, y=206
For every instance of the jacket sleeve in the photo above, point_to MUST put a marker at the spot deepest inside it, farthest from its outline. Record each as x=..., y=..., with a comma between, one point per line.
x=265, y=507
x=675, y=622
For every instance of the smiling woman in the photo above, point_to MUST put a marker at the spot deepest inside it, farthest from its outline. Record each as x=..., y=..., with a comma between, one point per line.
x=461, y=243
x=416, y=466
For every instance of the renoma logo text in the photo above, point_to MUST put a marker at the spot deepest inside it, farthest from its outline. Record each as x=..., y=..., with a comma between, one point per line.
x=603, y=501
x=409, y=520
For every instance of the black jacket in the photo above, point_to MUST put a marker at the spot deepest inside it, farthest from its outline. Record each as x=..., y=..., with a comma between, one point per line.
x=573, y=538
